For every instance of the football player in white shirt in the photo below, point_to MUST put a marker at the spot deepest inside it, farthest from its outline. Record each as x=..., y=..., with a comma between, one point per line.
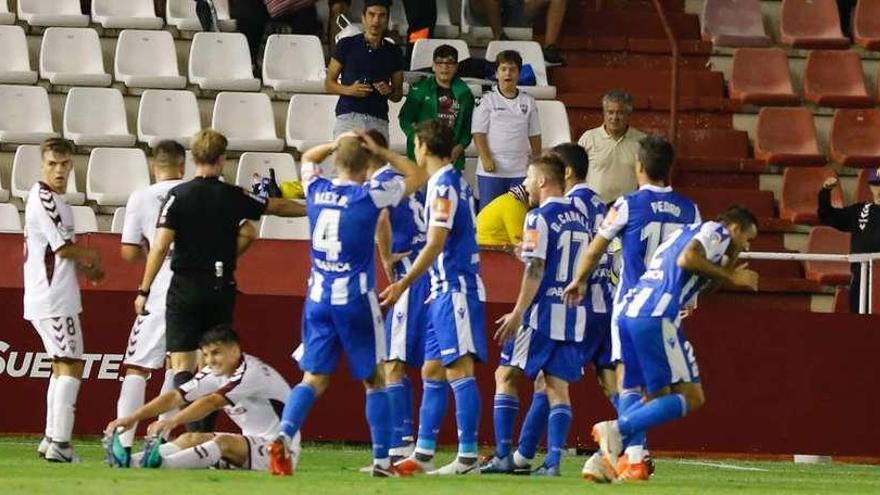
x=146, y=343
x=51, y=292
x=248, y=390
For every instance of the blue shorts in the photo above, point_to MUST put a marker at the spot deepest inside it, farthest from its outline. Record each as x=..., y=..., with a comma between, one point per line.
x=354, y=328
x=456, y=327
x=533, y=352
x=405, y=324
x=491, y=187
x=597, y=341
x=656, y=354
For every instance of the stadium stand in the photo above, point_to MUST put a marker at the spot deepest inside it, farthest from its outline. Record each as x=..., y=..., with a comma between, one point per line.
x=811, y=24
x=733, y=23
x=26, y=172
x=866, y=25
x=25, y=115
x=247, y=121
x=800, y=188
x=167, y=114
x=96, y=117
x=234, y=74
x=306, y=75
x=15, y=66
x=310, y=120
x=128, y=14
x=423, y=52
x=396, y=137
x=182, y=15
x=84, y=220
x=853, y=138
x=147, y=59
x=6, y=17
x=829, y=241
x=554, y=123
x=272, y=227
x=531, y=54
x=787, y=136
x=114, y=173
x=862, y=192
x=251, y=163
x=52, y=13
x=761, y=76
x=9, y=220
x=72, y=57
x=118, y=220
x=834, y=78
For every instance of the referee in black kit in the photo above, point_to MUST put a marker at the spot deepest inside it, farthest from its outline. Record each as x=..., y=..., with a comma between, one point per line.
x=206, y=220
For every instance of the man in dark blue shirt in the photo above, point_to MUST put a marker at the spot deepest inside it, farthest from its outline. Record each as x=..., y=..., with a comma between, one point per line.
x=366, y=71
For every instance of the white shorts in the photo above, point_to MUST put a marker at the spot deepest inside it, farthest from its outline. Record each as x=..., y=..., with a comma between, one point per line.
x=61, y=335
x=146, y=342
x=258, y=458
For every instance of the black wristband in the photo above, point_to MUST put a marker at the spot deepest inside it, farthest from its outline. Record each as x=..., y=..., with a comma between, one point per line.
x=142, y=292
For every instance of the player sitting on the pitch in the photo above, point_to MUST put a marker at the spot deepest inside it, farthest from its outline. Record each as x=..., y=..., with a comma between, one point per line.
x=660, y=359
x=541, y=333
x=243, y=386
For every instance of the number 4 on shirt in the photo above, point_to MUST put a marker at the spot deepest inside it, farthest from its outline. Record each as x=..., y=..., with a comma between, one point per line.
x=325, y=237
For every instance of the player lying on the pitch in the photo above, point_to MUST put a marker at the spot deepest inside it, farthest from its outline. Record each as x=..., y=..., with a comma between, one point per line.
x=246, y=388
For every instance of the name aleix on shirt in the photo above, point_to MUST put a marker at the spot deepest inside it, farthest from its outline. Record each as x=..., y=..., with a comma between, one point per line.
x=331, y=198
x=666, y=207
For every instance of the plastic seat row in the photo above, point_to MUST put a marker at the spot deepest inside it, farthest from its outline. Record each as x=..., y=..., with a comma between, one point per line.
x=96, y=117
x=800, y=186
x=115, y=14
x=84, y=219
x=832, y=78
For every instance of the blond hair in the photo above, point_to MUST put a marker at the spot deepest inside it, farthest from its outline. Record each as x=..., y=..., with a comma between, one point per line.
x=208, y=146
x=58, y=145
x=351, y=155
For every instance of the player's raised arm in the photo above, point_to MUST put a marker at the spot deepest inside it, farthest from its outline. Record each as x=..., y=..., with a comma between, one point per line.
x=414, y=176
x=705, y=252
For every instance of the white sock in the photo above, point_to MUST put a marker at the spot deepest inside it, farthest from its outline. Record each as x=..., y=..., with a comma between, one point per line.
x=131, y=397
x=519, y=460
x=167, y=386
x=50, y=401
x=635, y=454
x=198, y=457
x=63, y=407
x=168, y=448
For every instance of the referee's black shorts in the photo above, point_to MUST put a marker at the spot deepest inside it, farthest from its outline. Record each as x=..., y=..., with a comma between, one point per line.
x=195, y=304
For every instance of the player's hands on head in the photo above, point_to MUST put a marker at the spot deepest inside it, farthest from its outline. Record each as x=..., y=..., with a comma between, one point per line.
x=509, y=324
x=831, y=182
x=743, y=277
x=369, y=143
x=573, y=293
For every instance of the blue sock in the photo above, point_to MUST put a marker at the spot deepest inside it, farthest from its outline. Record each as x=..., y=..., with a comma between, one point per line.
x=656, y=412
x=615, y=401
x=378, y=413
x=629, y=401
x=558, y=425
x=467, y=414
x=431, y=414
x=533, y=426
x=407, y=410
x=505, y=410
x=298, y=404
x=396, y=397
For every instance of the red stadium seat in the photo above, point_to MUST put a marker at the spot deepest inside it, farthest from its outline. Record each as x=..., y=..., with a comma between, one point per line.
x=829, y=241
x=863, y=191
x=811, y=24
x=713, y=201
x=760, y=76
x=853, y=137
x=787, y=136
x=800, y=188
x=734, y=23
x=841, y=300
x=835, y=79
x=866, y=24
x=716, y=143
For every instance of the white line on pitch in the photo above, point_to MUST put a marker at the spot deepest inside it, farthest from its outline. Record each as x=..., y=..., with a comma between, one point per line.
x=721, y=465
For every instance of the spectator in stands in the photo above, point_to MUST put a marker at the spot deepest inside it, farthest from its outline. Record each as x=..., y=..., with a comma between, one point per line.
x=845, y=8
x=442, y=96
x=523, y=12
x=613, y=148
x=252, y=17
x=861, y=220
x=337, y=8
x=500, y=223
x=371, y=70
x=506, y=131
x=421, y=17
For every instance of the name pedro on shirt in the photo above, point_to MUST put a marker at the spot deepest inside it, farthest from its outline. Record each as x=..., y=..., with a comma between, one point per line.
x=666, y=207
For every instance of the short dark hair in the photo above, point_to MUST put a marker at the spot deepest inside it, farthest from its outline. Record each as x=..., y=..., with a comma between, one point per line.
x=509, y=57
x=446, y=51
x=377, y=136
x=656, y=155
x=574, y=156
x=437, y=136
x=618, y=96
x=377, y=3
x=220, y=334
x=553, y=168
x=737, y=214
x=169, y=152
x=58, y=145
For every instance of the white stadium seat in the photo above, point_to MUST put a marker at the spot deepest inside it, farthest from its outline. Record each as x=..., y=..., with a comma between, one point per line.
x=147, y=59
x=304, y=76
x=247, y=121
x=168, y=114
x=84, y=220
x=15, y=66
x=222, y=61
x=531, y=53
x=272, y=227
x=396, y=137
x=52, y=13
x=118, y=220
x=6, y=17
x=310, y=120
x=4, y=195
x=9, y=219
x=189, y=167
x=182, y=15
x=72, y=57
x=252, y=163
x=115, y=173
x=26, y=171
x=96, y=117
x=554, y=123
x=423, y=52
x=25, y=115
x=125, y=14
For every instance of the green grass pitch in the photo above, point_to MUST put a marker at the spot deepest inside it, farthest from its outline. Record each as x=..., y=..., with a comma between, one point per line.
x=332, y=469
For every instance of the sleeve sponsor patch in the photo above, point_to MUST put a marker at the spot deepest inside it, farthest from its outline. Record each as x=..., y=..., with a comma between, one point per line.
x=440, y=209
x=530, y=239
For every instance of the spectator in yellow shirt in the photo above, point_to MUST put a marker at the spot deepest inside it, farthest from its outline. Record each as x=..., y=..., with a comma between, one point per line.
x=500, y=223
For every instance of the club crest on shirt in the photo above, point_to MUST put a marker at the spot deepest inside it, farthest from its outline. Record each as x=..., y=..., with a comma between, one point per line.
x=524, y=108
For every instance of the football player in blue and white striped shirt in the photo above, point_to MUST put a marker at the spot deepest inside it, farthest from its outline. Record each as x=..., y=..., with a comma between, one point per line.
x=660, y=359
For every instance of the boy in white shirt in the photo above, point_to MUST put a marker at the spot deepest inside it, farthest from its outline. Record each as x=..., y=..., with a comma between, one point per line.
x=507, y=131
